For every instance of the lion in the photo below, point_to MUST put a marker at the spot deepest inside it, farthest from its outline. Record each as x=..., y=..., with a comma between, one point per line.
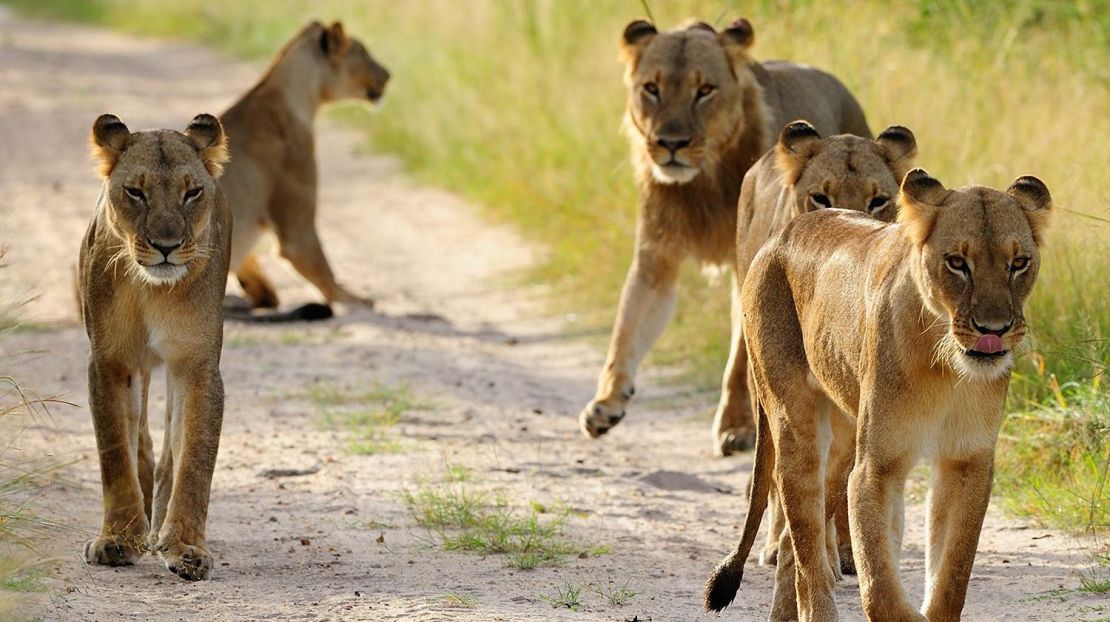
x=271, y=180
x=804, y=173
x=152, y=272
x=909, y=330
x=700, y=113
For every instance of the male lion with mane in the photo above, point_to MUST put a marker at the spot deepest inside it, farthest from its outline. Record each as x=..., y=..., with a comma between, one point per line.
x=271, y=180
x=153, y=268
x=902, y=333
x=700, y=113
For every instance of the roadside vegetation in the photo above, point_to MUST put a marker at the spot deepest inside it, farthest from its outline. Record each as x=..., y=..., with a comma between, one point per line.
x=460, y=516
x=517, y=106
x=22, y=530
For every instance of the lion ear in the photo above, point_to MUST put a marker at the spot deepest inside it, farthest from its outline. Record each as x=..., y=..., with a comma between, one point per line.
x=921, y=199
x=900, y=148
x=637, y=34
x=1035, y=201
x=109, y=138
x=739, y=33
x=207, y=136
x=333, y=40
x=797, y=144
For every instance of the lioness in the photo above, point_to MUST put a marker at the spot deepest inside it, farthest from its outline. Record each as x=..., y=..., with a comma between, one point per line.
x=804, y=173
x=271, y=180
x=909, y=329
x=700, y=113
x=152, y=272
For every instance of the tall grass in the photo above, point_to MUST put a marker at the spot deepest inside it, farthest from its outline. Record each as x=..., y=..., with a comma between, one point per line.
x=517, y=105
x=21, y=476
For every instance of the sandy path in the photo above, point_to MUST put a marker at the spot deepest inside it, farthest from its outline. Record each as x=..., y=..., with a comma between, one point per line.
x=503, y=382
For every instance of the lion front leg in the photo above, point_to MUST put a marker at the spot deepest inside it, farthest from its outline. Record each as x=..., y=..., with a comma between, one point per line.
x=647, y=303
x=115, y=393
x=958, y=499
x=733, y=424
x=875, y=505
x=196, y=420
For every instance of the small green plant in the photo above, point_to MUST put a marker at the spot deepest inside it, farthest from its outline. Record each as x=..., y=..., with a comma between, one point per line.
x=461, y=601
x=462, y=519
x=567, y=596
x=366, y=415
x=616, y=595
x=1097, y=579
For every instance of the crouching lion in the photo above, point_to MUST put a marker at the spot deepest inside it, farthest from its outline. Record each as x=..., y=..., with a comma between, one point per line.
x=152, y=272
x=908, y=329
x=700, y=113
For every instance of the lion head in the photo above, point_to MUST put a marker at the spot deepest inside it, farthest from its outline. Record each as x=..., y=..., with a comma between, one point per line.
x=351, y=72
x=687, y=96
x=160, y=192
x=845, y=171
x=977, y=257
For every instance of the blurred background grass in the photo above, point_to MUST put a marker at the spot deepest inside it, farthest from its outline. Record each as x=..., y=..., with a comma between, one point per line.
x=516, y=105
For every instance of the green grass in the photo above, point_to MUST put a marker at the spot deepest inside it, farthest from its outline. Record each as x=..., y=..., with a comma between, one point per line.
x=516, y=105
x=464, y=519
x=569, y=596
x=368, y=416
x=617, y=595
x=461, y=601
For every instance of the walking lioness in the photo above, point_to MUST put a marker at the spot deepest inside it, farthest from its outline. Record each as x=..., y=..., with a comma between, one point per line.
x=271, y=180
x=700, y=113
x=909, y=329
x=152, y=270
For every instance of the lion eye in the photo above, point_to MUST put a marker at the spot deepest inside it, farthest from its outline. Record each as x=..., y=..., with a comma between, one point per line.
x=877, y=203
x=135, y=194
x=652, y=89
x=1019, y=264
x=706, y=90
x=956, y=263
x=820, y=200
x=192, y=194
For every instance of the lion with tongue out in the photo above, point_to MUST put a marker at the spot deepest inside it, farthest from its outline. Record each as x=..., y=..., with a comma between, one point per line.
x=903, y=333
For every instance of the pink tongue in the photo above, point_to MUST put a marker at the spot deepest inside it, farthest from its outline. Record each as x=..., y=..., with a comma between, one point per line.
x=989, y=344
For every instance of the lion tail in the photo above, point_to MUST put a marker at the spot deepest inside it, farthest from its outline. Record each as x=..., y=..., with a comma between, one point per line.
x=725, y=581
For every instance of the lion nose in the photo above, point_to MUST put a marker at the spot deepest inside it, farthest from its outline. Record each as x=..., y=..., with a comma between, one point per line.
x=992, y=328
x=672, y=144
x=164, y=246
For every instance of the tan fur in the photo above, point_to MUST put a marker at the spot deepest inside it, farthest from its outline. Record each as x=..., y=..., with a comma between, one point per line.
x=271, y=181
x=886, y=320
x=718, y=109
x=139, y=311
x=801, y=174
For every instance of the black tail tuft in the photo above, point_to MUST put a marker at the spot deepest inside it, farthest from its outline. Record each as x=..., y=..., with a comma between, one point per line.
x=722, y=586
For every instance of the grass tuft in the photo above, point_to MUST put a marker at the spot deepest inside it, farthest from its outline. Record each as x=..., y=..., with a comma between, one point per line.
x=367, y=416
x=462, y=519
x=569, y=596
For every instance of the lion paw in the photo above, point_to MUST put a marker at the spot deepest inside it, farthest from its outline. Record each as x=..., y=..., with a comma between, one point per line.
x=188, y=561
x=734, y=441
x=847, y=563
x=350, y=298
x=113, y=550
x=600, y=415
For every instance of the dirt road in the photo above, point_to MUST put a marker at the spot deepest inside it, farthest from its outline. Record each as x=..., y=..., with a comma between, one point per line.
x=493, y=381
